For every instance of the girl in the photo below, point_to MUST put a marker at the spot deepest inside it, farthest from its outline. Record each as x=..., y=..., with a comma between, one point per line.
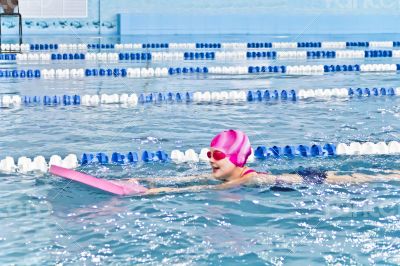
x=228, y=155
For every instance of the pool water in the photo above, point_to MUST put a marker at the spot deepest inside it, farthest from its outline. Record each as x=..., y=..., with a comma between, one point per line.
x=47, y=221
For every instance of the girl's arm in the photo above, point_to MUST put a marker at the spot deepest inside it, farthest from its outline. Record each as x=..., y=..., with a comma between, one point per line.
x=154, y=191
x=333, y=178
x=265, y=179
x=226, y=185
x=183, y=179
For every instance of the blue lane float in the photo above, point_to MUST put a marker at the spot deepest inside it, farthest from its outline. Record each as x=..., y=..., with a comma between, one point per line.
x=30, y=73
x=378, y=53
x=100, y=46
x=135, y=56
x=209, y=45
x=43, y=47
x=259, y=45
x=357, y=44
x=155, y=45
x=341, y=68
x=70, y=56
x=264, y=54
x=199, y=55
x=266, y=95
x=266, y=69
x=186, y=70
x=120, y=158
x=8, y=57
x=45, y=100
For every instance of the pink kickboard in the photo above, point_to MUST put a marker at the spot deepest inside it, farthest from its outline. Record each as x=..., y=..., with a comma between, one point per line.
x=117, y=187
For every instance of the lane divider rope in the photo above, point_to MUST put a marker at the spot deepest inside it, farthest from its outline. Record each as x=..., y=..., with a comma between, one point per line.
x=189, y=56
x=40, y=164
x=199, y=45
x=225, y=70
x=133, y=99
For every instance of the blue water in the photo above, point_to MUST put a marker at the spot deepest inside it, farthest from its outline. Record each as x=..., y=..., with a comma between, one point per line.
x=47, y=221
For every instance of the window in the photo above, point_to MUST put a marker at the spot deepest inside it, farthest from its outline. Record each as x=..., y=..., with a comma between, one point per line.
x=53, y=8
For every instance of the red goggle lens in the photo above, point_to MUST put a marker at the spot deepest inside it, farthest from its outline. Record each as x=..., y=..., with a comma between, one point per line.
x=217, y=155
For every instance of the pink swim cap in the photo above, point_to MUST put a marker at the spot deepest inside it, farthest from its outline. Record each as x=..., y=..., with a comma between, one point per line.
x=235, y=144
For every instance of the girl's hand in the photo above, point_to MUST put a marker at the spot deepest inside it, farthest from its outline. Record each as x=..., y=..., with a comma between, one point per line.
x=396, y=172
x=132, y=180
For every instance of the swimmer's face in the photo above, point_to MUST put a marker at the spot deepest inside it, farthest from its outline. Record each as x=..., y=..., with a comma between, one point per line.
x=221, y=169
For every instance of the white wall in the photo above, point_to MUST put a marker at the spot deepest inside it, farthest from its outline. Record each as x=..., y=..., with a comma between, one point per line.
x=53, y=8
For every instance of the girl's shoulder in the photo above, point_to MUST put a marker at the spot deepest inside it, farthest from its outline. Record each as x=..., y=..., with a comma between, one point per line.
x=260, y=178
x=254, y=172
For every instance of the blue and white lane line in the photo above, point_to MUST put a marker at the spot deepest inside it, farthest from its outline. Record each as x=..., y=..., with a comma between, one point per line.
x=47, y=58
x=178, y=71
x=198, y=45
x=40, y=164
x=261, y=95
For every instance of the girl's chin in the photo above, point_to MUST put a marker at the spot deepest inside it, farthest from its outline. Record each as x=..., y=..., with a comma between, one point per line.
x=215, y=173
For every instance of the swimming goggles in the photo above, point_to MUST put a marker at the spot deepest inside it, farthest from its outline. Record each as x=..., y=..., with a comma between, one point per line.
x=217, y=155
